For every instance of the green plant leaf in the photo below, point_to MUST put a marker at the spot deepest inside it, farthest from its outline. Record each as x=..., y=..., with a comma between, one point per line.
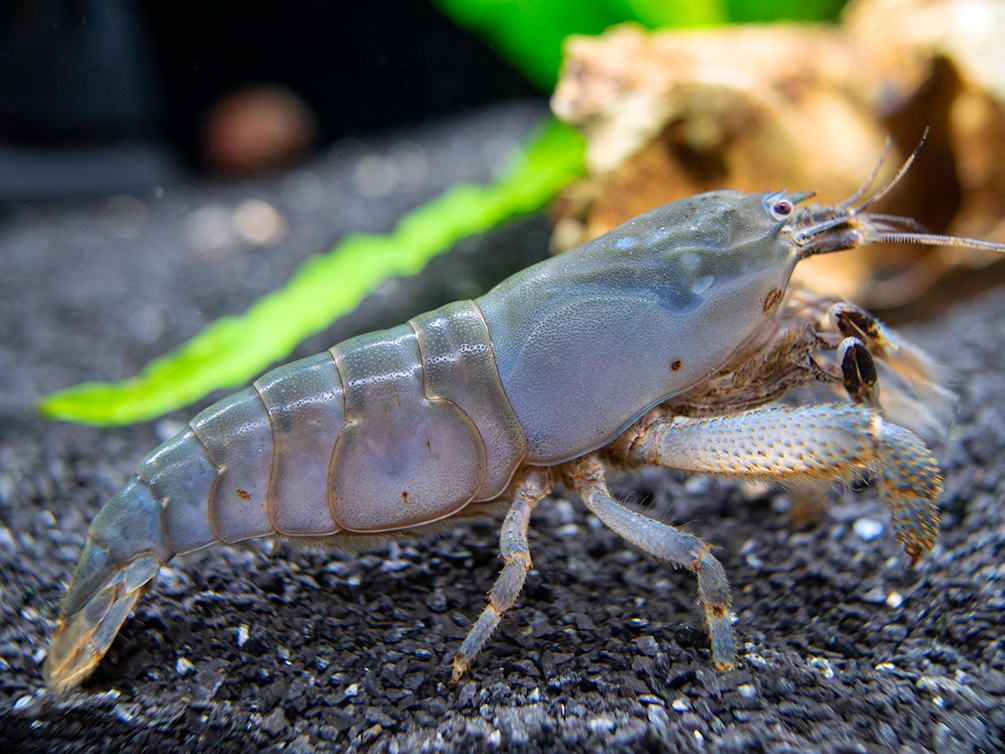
x=744, y=11
x=233, y=349
x=529, y=33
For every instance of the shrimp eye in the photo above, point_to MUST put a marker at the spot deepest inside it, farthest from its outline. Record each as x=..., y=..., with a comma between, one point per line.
x=781, y=208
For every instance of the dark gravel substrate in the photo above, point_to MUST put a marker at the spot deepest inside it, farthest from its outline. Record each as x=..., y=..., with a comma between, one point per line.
x=845, y=649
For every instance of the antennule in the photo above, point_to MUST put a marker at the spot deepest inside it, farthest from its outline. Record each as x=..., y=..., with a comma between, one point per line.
x=896, y=179
x=860, y=192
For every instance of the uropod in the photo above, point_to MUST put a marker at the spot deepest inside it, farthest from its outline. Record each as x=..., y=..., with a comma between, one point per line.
x=658, y=343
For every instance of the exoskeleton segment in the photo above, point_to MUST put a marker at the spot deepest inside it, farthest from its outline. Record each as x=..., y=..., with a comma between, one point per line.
x=659, y=343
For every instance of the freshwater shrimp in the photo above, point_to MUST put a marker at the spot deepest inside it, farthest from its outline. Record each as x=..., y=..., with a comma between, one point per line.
x=656, y=343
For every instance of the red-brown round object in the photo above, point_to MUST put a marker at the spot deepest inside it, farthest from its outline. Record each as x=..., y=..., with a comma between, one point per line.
x=256, y=128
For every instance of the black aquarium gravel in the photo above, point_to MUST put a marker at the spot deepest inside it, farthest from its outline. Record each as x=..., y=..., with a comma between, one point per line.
x=844, y=648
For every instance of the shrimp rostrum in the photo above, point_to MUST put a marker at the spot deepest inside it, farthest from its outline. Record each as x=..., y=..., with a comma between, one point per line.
x=657, y=343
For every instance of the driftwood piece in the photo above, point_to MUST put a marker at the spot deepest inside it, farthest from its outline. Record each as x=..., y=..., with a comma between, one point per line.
x=669, y=114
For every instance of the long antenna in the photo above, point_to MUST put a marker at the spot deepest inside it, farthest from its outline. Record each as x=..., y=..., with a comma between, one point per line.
x=934, y=239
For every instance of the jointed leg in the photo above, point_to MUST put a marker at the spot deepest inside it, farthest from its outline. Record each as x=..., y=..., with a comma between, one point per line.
x=532, y=484
x=915, y=390
x=808, y=442
x=858, y=370
x=666, y=542
x=907, y=360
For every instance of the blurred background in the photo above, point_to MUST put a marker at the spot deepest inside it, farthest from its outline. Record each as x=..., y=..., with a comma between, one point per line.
x=98, y=96
x=101, y=96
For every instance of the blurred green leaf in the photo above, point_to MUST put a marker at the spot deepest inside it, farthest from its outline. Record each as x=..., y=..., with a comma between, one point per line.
x=529, y=33
x=233, y=349
x=679, y=14
x=748, y=11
